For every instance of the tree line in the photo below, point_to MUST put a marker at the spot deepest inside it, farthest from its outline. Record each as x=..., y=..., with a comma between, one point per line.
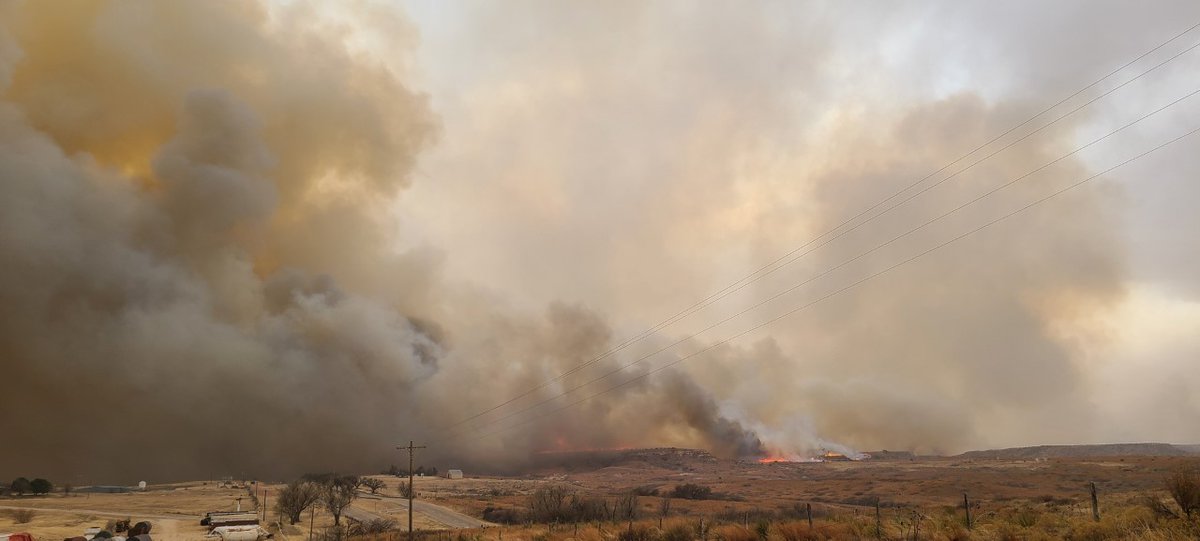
x=420, y=470
x=328, y=491
x=332, y=492
x=22, y=486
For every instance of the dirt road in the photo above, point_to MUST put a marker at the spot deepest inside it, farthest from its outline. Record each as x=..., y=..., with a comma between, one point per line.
x=98, y=513
x=443, y=515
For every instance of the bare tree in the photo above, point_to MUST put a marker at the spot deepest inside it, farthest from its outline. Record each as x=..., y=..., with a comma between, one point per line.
x=627, y=506
x=549, y=504
x=337, y=495
x=1185, y=490
x=373, y=484
x=664, y=509
x=296, y=498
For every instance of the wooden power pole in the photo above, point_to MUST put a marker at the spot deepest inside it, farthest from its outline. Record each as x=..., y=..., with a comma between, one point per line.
x=411, y=489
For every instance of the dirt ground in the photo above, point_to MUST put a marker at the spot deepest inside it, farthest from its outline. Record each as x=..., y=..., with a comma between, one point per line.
x=174, y=510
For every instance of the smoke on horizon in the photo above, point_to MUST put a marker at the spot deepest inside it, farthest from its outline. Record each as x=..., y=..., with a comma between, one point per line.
x=198, y=224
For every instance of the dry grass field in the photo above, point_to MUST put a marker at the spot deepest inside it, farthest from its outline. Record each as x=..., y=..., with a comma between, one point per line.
x=921, y=498
x=174, y=510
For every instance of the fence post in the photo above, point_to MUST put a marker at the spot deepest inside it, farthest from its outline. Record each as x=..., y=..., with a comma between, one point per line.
x=1095, y=504
x=878, y=521
x=808, y=510
x=967, y=508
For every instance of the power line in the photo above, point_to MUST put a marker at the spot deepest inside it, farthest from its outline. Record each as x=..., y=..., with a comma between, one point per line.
x=877, y=247
x=787, y=258
x=850, y=286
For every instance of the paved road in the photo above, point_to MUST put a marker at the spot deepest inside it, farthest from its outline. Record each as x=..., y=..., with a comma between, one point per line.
x=135, y=516
x=444, y=515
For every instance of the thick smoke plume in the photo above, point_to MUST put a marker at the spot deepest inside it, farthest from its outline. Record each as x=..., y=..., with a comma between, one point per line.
x=202, y=207
x=197, y=278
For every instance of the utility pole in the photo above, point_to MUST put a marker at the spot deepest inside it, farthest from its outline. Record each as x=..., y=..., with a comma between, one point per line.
x=411, y=489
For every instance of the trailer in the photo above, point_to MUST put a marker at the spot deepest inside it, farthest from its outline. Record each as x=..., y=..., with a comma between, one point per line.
x=229, y=518
x=239, y=533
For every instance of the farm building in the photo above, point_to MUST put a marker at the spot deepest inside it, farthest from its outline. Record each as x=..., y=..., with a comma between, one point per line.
x=454, y=474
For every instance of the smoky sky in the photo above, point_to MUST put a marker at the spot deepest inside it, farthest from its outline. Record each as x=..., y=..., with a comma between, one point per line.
x=244, y=239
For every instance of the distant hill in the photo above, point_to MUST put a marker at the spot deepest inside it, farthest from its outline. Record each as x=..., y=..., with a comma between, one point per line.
x=1078, y=451
x=891, y=455
x=670, y=458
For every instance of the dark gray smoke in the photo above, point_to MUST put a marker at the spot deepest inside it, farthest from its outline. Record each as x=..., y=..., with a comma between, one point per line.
x=196, y=277
x=206, y=229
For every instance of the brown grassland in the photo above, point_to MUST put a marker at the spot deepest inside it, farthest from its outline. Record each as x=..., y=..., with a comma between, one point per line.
x=920, y=498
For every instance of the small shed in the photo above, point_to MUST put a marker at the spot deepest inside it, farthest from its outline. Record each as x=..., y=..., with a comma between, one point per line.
x=454, y=474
